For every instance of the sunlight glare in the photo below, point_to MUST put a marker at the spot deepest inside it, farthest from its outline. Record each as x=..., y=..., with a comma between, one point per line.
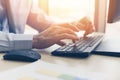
x=71, y=9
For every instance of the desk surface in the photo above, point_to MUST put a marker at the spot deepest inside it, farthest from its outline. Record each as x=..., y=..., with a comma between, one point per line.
x=95, y=63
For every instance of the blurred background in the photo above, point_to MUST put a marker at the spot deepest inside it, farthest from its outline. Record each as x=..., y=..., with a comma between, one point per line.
x=64, y=10
x=72, y=10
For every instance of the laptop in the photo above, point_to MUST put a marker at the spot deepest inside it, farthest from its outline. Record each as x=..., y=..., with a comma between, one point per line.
x=110, y=44
x=91, y=45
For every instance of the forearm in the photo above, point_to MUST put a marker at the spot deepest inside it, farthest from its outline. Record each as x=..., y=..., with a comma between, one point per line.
x=39, y=21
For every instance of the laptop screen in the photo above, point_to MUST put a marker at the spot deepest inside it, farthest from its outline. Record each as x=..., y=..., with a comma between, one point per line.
x=100, y=16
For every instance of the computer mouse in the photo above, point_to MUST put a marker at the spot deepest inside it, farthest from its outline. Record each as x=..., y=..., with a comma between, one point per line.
x=22, y=55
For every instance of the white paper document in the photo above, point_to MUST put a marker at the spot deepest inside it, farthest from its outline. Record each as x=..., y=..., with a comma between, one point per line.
x=46, y=71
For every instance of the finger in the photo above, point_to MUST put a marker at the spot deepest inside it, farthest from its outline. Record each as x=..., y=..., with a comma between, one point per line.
x=70, y=26
x=74, y=41
x=69, y=31
x=80, y=26
x=89, y=29
x=73, y=27
x=61, y=43
x=85, y=35
x=66, y=36
x=84, y=20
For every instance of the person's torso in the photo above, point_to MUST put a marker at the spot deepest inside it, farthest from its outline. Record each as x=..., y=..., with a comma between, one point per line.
x=13, y=15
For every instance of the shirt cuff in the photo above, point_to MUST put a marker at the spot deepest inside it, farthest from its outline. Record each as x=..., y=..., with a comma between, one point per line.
x=22, y=42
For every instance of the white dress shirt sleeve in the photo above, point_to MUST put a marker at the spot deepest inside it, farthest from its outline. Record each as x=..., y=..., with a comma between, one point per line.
x=10, y=41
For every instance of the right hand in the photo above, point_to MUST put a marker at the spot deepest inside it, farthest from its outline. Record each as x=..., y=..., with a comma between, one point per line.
x=86, y=25
x=54, y=34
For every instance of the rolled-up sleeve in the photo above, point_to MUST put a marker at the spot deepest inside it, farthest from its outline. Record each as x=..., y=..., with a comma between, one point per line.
x=12, y=41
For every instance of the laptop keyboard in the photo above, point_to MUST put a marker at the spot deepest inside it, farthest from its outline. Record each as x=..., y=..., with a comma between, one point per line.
x=81, y=48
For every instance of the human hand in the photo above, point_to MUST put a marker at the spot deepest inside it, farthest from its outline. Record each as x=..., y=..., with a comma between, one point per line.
x=86, y=25
x=54, y=34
